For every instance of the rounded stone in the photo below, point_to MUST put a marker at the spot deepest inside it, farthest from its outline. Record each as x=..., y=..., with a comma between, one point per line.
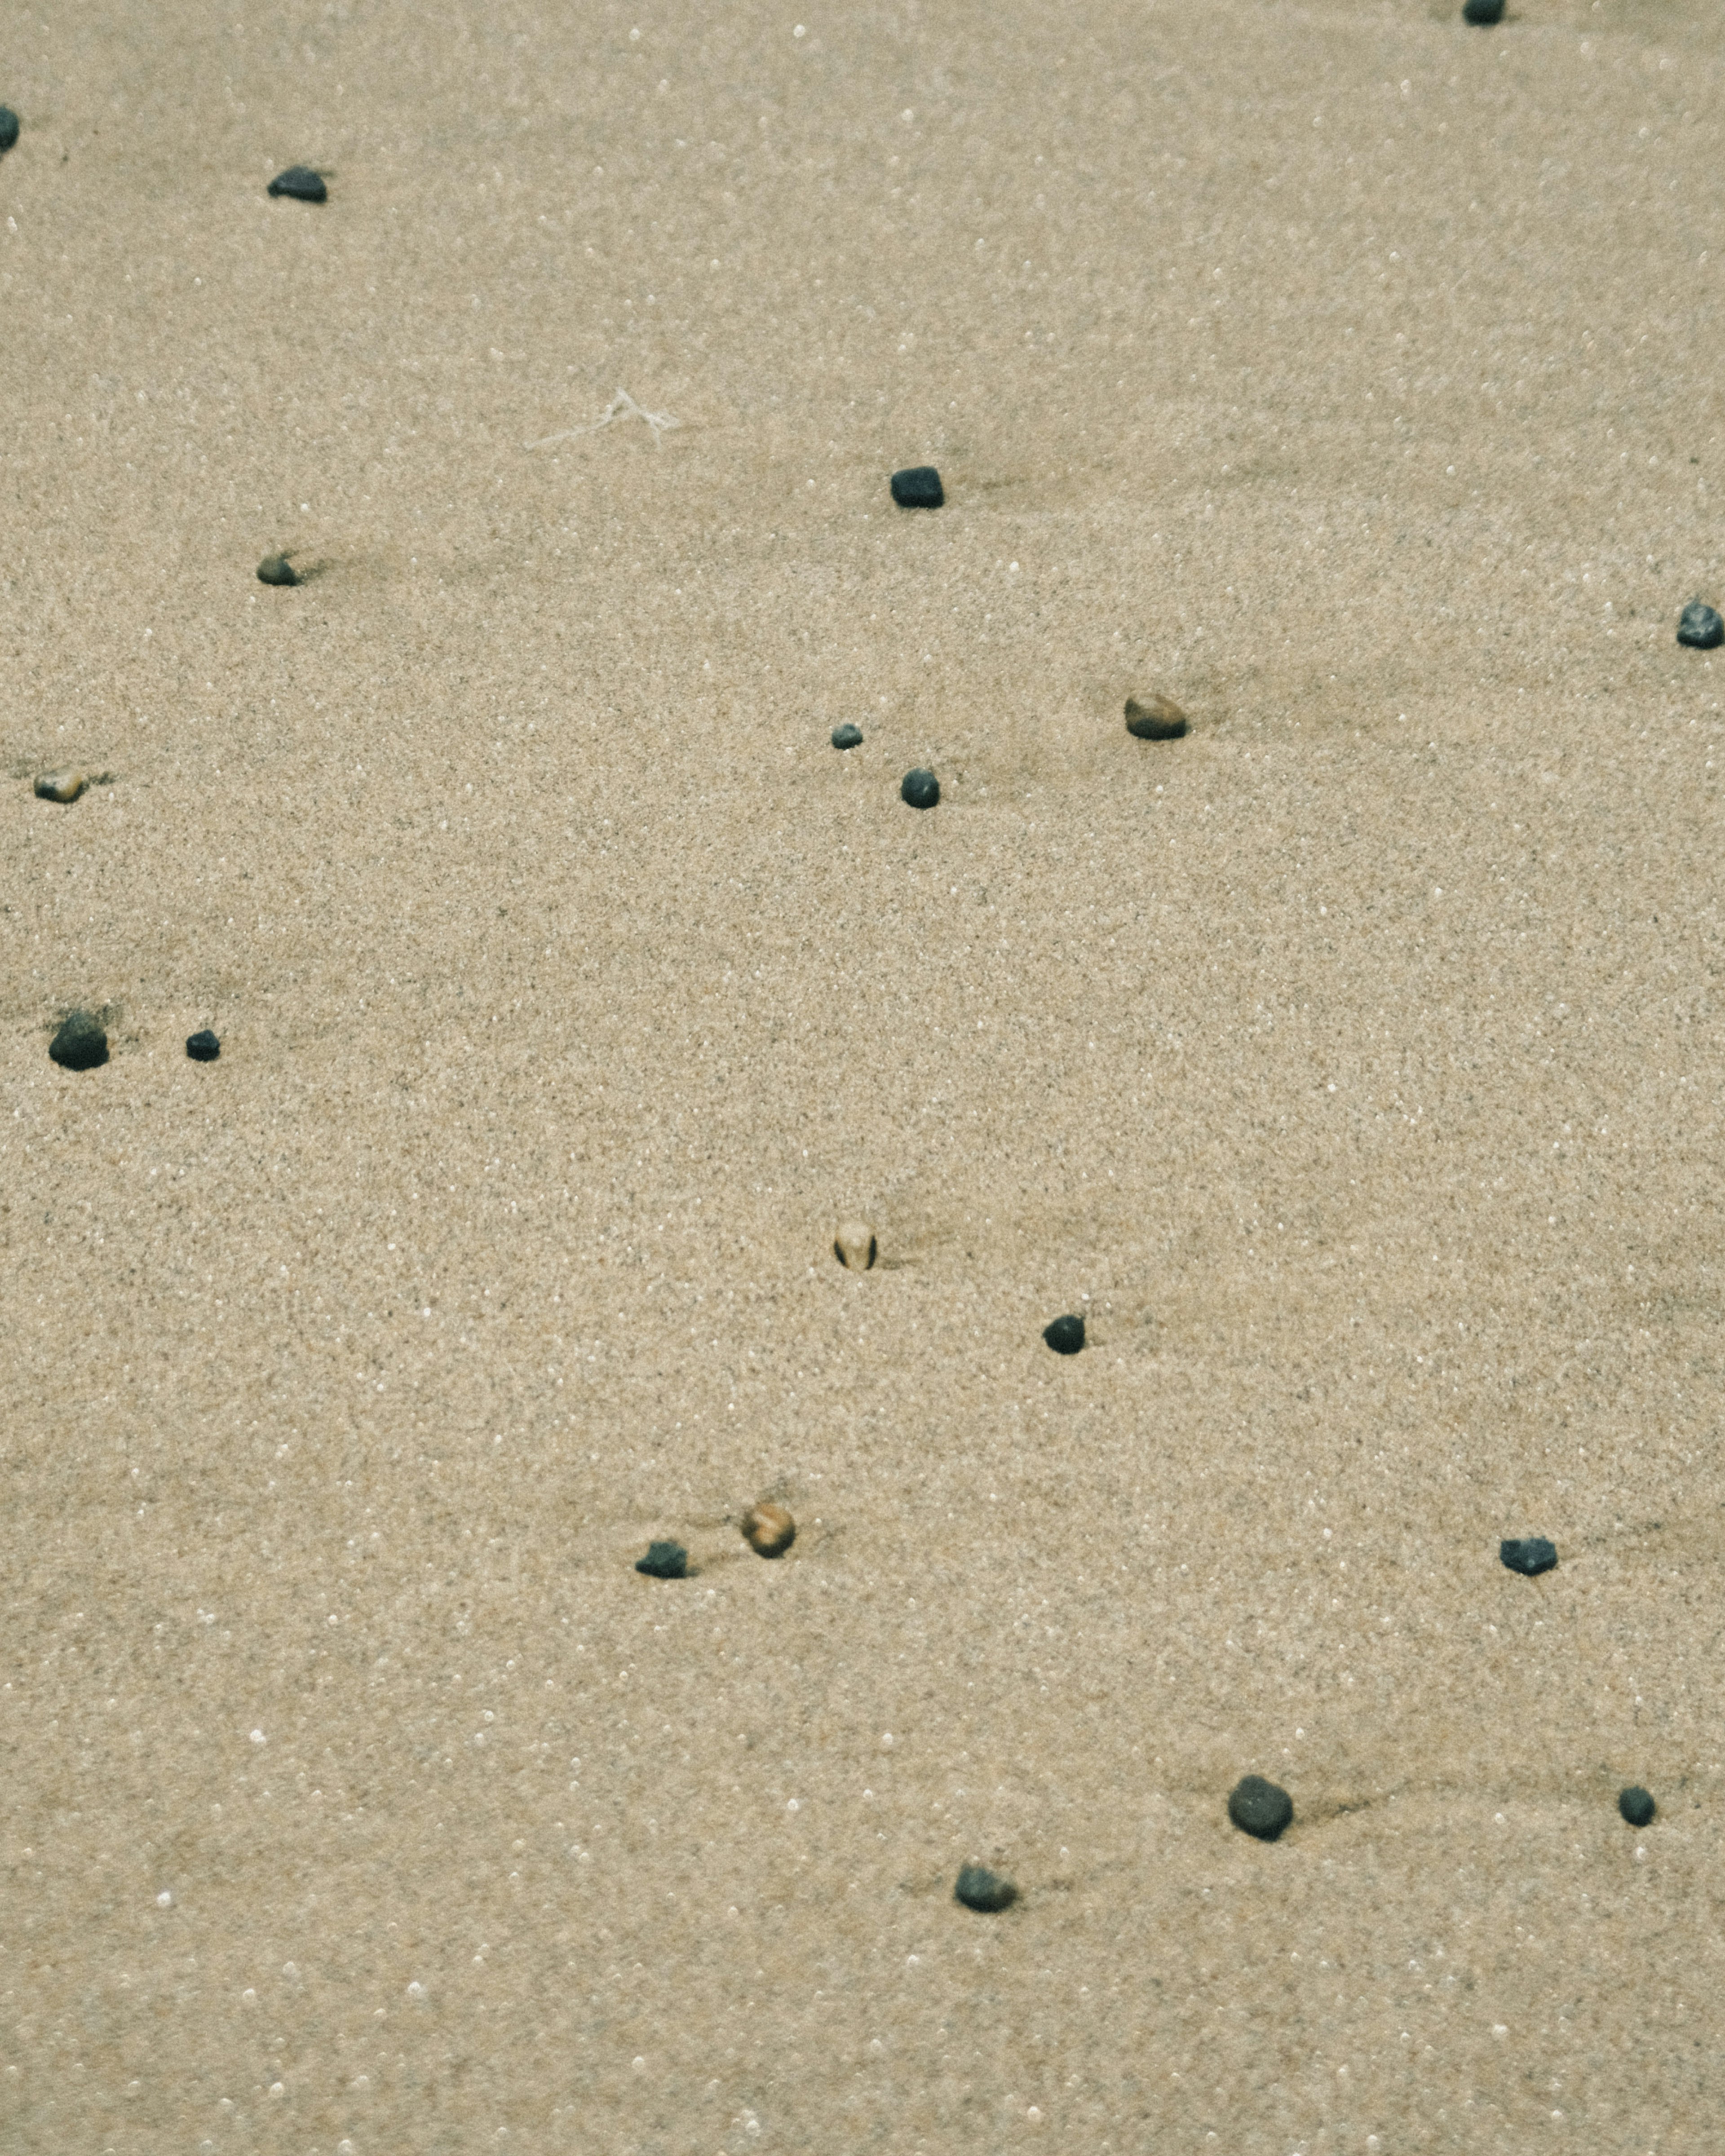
x=60, y=785
x=8, y=128
x=918, y=487
x=1065, y=1336
x=276, y=569
x=1157, y=718
x=1529, y=1555
x=1482, y=12
x=847, y=736
x=854, y=1246
x=1701, y=626
x=983, y=1891
x=81, y=1044
x=1637, y=1805
x=203, y=1047
x=768, y=1529
x=921, y=789
x=1260, y=1807
x=300, y=183
x=665, y=1561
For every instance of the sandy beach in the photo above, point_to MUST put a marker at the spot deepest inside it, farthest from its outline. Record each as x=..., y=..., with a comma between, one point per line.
x=1344, y=373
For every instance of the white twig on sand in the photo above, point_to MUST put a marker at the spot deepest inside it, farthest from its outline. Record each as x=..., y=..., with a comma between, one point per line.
x=622, y=406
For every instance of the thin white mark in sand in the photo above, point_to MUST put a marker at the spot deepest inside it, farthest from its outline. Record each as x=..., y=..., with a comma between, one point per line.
x=622, y=406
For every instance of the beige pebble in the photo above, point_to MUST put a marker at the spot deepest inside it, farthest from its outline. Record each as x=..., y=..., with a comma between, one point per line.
x=854, y=1246
x=768, y=1529
x=60, y=785
x=1157, y=718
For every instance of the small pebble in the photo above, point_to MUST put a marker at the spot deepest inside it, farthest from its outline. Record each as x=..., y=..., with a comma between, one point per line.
x=1065, y=1336
x=918, y=488
x=984, y=1891
x=8, y=128
x=847, y=736
x=1701, y=626
x=1484, y=13
x=300, y=184
x=768, y=1529
x=1258, y=1807
x=1637, y=1805
x=1531, y=1555
x=276, y=569
x=665, y=1561
x=920, y=788
x=60, y=785
x=1157, y=718
x=80, y=1044
x=855, y=1246
x=203, y=1047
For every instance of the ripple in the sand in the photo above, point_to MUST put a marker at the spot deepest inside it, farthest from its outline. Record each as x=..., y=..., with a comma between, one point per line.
x=983, y=1891
x=768, y=1529
x=847, y=736
x=1636, y=1805
x=665, y=1560
x=300, y=183
x=1701, y=626
x=276, y=569
x=1065, y=1335
x=61, y=785
x=203, y=1047
x=921, y=789
x=1157, y=718
x=1528, y=1555
x=8, y=128
x=854, y=1246
x=1258, y=1807
x=81, y=1043
x=918, y=487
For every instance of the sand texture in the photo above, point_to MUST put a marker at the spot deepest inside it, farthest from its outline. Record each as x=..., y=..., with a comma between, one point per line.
x=1349, y=377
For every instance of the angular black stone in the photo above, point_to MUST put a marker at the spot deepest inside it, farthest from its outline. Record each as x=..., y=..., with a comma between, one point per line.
x=984, y=1891
x=1065, y=1336
x=918, y=488
x=1701, y=626
x=1260, y=1807
x=300, y=183
x=920, y=788
x=276, y=569
x=1531, y=1555
x=847, y=736
x=8, y=128
x=203, y=1047
x=1637, y=1805
x=1484, y=13
x=80, y=1044
x=665, y=1561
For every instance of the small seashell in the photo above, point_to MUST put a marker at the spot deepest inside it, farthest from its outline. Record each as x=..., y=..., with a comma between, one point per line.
x=81, y=1044
x=768, y=1529
x=61, y=785
x=855, y=1246
x=276, y=569
x=1157, y=718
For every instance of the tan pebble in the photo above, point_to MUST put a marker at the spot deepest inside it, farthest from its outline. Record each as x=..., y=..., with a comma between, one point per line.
x=768, y=1529
x=855, y=1246
x=1157, y=718
x=60, y=785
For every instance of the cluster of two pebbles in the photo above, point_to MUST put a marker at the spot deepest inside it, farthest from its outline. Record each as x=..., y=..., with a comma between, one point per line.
x=766, y=1527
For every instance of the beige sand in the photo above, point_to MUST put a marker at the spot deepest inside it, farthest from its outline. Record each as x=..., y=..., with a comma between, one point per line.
x=1347, y=375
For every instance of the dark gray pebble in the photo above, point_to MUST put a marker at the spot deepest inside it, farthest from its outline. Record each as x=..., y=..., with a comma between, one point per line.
x=1484, y=13
x=1701, y=626
x=8, y=128
x=1065, y=1336
x=203, y=1047
x=80, y=1044
x=300, y=183
x=920, y=788
x=276, y=569
x=1637, y=1805
x=918, y=488
x=984, y=1891
x=1531, y=1555
x=665, y=1561
x=1260, y=1807
x=847, y=736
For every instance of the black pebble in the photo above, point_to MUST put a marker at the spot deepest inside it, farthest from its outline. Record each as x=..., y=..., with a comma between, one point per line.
x=1637, y=1806
x=1531, y=1555
x=1258, y=1807
x=918, y=488
x=8, y=128
x=80, y=1044
x=920, y=788
x=847, y=736
x=300, y=183
x=1701, y=626
x=986, y=1891
x=1065, y=1336
x=276, y=569
x=665, y=1561
x=1484, y=13
x=203, y=1047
